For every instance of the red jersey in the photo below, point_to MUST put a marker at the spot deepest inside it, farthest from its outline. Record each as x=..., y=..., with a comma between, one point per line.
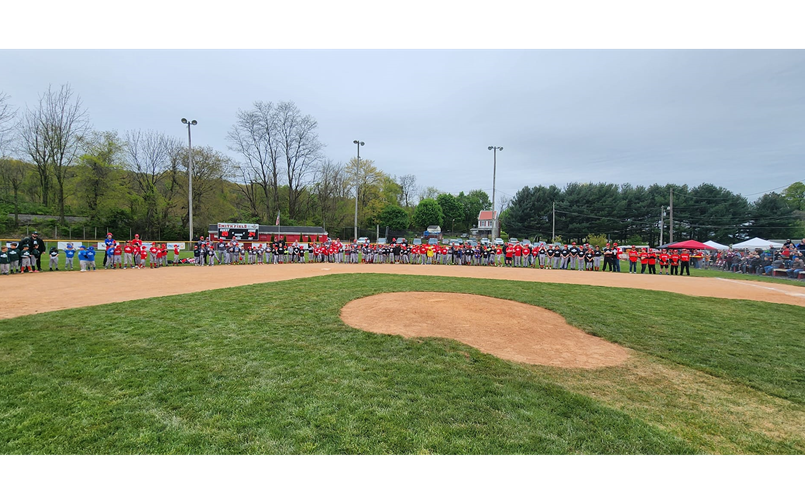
x=176, y=250
x=632, y=255
x=518, y=251
x=509, y=251
x=118, y=250
x=643, y=257
x=664, y=257
x=128, y=249
x=675, y=259
x=685, y=257
x=652, y=258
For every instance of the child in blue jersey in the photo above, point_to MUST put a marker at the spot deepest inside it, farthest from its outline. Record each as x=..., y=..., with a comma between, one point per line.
x=82, y=258
x=109, y=258
x=69, y=253
x=91, y=258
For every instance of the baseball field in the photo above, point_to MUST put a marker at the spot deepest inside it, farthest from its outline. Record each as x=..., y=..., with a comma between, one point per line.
x=385, y=359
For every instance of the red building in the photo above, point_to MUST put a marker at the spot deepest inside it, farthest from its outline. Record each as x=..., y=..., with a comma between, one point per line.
x=260, y=233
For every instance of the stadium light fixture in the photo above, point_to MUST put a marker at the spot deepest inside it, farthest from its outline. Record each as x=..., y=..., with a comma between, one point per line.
x=357, y=167
x=189, y=175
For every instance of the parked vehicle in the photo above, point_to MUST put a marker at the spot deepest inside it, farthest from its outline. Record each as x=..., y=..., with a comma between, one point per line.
x=526, y=242
x=381, y=241
x=472, y=242
x=363, y=240
x=484, y=241
x=498, y=241
x=433, y=241
x=417, y=241
x=513, y=240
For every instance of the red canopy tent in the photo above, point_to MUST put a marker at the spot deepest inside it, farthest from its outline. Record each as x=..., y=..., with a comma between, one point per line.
x=690, y=245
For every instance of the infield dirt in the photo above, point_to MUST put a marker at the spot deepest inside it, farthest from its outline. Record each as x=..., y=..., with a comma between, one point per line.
x=557, y=344
x=57, y=290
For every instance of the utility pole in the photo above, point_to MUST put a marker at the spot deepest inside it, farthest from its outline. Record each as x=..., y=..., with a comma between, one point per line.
x=671, y=220
x=553, y=230
x=662, y=222
x=495, y=150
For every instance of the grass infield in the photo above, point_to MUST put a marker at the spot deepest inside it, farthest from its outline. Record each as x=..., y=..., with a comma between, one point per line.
x=271, y=369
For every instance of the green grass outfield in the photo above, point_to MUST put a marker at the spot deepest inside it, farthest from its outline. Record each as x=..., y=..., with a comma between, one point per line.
x=271, y=369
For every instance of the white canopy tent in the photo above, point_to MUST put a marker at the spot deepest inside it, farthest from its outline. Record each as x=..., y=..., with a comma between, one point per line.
x=717, y=246
x=756, y=243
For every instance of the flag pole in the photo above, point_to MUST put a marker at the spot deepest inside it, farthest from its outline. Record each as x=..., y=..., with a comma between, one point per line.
x=279, y=227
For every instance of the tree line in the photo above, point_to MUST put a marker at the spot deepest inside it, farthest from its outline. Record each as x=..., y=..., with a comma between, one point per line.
x=638, y=214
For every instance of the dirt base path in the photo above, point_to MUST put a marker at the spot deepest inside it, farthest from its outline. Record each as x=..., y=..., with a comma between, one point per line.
x=53, y=291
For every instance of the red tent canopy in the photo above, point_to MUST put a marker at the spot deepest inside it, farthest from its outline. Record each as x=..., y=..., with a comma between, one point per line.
x=690, y=245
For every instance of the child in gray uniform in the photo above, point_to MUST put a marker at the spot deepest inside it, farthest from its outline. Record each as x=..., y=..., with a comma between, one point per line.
x=5, y=262
x=54, y=259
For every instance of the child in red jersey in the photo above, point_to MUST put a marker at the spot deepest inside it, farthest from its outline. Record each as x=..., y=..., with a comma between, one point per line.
x=154, y=251
x=643, y=260
x=675, y=262
x=665, y=259
x=143, y=256
x=633, y=255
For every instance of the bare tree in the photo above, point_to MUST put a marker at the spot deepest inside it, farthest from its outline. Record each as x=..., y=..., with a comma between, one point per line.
x=32, y=130
x=330, y=187
x=408, y=186
x=7, y=114
x=150, y=156
x=53, y=136
x=429, y=192
x=300, y=148
x=255, y=137
x=246, y=185
x=209, y=169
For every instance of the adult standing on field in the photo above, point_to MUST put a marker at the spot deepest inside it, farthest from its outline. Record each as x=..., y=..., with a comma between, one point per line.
x=30, y=241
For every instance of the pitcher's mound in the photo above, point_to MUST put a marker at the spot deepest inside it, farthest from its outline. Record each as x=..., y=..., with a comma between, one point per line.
x=506, y=329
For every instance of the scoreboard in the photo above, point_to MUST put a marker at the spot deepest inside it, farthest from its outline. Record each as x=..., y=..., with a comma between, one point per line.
x=243, y=232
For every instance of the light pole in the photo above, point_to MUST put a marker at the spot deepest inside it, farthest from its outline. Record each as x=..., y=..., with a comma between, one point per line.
x=357, y=167
x=190, y=174
x=495, y=150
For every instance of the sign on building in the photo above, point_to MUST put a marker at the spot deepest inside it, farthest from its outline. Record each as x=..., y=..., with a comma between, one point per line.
x=244, y=232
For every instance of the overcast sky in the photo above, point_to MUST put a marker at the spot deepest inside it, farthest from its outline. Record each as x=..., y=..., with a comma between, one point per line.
x=731, y=118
